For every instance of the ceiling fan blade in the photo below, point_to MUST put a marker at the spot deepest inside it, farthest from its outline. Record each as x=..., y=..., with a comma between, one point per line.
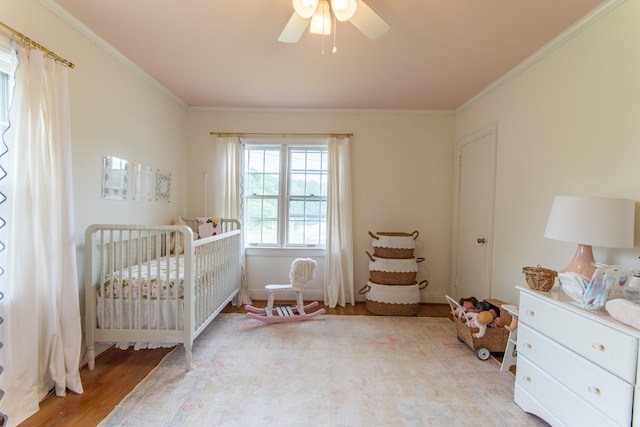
x=294, y=29
x=369, y=22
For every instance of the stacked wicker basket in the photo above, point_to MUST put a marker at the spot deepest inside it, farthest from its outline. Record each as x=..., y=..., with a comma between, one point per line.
x=392, y=289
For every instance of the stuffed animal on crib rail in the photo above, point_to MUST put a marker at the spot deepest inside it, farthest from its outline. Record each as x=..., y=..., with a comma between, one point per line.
x=479, y=320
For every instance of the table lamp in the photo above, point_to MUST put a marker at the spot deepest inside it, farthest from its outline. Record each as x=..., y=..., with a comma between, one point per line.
x=591, y=221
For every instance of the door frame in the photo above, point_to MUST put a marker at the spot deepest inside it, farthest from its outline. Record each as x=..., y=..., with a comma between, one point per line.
x=491, y=131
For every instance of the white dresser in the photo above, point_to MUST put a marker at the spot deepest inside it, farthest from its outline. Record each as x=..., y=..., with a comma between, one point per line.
x=575, y=367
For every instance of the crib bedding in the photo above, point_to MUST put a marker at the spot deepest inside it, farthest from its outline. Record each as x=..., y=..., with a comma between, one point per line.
x=162, y=278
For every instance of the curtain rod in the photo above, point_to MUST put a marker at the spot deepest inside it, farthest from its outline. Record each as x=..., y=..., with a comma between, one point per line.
x=30, y=43
x=241, y=134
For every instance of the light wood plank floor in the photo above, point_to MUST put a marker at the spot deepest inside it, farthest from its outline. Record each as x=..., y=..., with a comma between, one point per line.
x=117, y=372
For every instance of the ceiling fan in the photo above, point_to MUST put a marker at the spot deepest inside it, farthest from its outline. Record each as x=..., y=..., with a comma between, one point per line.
x=318, y=13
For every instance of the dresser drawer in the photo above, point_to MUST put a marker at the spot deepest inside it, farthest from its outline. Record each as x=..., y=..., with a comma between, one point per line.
x=605, y=391
x=556, y=398
x=611, y=349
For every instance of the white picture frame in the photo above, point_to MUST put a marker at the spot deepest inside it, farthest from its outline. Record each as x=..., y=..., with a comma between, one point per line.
x=163, y=186
x=115, y=178
x=143, y=183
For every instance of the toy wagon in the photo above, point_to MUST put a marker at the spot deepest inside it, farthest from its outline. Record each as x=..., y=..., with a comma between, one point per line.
x=494, y=340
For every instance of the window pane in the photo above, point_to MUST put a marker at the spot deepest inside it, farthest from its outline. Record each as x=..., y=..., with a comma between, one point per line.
x=261, y=217
x=296, y=232
x=314, y=161
x=272, y=161
x=306, y=185
x=297, y=160
x=263, y=171
x=270, y=232
x=297, y=184
x=313, y=184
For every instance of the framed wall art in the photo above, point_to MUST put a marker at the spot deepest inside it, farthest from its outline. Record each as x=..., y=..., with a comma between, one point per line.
x=115, y=178
x=143, y=183
x=163, y=186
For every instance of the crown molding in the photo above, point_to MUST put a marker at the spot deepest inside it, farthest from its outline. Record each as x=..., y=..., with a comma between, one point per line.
x=554, y=44
x=102, y=44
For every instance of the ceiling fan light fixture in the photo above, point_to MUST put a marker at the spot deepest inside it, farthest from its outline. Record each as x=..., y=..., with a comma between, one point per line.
x=344, y=9
x=321, y=19
x=305, y=8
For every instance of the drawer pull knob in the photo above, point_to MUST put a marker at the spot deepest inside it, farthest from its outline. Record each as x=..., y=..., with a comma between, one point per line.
x=594, y=390
x=531, y=313
x=528, y=345
x=526, y=379
x=598, y=347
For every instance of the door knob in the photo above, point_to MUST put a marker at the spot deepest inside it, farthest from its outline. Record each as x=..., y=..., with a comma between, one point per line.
x=481, y=240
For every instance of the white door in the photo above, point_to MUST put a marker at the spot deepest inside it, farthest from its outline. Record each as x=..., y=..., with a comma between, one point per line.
x=475, y=214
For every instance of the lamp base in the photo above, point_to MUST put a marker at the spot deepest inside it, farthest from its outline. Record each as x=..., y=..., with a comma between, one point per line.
x=583, y=262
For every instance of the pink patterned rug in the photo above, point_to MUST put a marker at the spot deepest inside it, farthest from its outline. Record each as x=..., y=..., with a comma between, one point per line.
x=328, y=371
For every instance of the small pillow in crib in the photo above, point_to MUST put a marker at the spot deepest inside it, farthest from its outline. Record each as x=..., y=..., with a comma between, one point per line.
x=624, y=311
x=207, y=226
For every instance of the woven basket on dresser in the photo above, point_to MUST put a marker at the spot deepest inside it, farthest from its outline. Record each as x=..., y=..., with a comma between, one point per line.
x=394, y=244
x=539, y=278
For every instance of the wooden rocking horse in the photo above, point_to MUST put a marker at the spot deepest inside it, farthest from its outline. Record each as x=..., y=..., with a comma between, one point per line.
x=302, y=271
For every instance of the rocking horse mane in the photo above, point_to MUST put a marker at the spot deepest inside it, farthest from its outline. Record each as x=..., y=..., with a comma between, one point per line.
x=302, y=270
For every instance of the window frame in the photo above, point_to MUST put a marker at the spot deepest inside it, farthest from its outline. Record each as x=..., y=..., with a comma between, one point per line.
x=284, y=198
x=5, y=90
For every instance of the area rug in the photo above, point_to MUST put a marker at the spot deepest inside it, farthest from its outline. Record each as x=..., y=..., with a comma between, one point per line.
x=328, y=371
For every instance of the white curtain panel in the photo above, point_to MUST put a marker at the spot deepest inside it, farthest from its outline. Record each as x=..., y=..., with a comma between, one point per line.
x=227, y=195
x=42, y=329
x=339, y=286
x=227, y=198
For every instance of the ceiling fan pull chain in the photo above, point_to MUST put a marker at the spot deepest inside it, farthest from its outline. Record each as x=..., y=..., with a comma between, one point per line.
x=335, y=33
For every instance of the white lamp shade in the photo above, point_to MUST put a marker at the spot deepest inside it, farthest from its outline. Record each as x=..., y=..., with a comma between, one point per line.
x=321, y=19
x=305, y=8
x=594, y=221
x=344, y=9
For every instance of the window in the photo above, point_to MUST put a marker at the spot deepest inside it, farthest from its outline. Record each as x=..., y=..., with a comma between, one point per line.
x=5, y=69
x=285, y=193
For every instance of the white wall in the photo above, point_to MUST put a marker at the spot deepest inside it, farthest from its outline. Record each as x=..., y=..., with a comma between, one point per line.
x=569, y=125
x=115, y=112
x=402, y=168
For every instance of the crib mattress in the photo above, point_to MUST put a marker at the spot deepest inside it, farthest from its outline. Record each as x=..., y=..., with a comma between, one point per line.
x=158, y=279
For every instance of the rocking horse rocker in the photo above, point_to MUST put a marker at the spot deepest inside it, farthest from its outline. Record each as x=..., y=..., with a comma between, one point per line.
x=302, y=271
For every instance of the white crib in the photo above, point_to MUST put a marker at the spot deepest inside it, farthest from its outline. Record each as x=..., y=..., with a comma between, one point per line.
x=138, y=291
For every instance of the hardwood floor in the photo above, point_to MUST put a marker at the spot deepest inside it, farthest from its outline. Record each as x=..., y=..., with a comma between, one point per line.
x=117, y=372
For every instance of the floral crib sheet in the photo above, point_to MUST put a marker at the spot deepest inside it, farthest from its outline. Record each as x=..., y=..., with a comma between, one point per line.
x=162, y=278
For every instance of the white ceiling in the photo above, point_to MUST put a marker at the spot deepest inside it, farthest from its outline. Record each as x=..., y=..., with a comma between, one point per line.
x=437, y=55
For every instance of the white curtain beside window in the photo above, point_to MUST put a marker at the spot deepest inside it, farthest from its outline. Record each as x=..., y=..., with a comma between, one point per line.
x=339, y=282
x=227, y=198
x=42, y=328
